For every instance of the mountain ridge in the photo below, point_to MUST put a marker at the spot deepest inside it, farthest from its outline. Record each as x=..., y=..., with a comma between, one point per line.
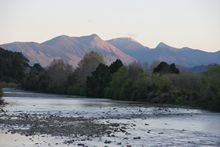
x=185, y=56
x=72, y=50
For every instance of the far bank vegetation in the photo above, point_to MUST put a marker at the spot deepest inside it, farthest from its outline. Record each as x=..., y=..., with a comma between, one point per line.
x=163, y=83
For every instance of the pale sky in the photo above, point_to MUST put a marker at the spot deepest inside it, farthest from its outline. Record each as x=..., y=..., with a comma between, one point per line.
x=179, y=23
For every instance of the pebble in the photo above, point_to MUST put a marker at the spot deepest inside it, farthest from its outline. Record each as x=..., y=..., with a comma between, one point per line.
x=137, y=137
x=107, y=141
x=122, y=130
x=123, y=127
x=127, y=133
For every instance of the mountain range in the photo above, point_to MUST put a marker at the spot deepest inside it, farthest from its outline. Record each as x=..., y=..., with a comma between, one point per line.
x=72, y=49
x=186, y=57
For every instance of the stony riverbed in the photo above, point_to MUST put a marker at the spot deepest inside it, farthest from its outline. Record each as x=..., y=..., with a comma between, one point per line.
x=33, y=119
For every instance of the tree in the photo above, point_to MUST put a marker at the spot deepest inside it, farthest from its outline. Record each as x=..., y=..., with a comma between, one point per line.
x=77, y=80
x=141, y=89
x=87, y=65
x=58, y=73
x=13, y=66
x=115, y=66
x=37, y=68
x=37, y=79
x=125, y=83
x=116, y=85
x=97, y=82
x=153, y=65
x=135, y=70
x=100, y=78
x=164, y=68
x=211, y=88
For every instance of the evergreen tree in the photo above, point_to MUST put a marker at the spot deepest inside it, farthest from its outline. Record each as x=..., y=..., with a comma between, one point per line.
x=97, y=82
x=115, y=66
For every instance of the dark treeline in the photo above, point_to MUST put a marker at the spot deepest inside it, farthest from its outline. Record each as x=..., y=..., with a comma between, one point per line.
x=93, y=78
x=13, y=67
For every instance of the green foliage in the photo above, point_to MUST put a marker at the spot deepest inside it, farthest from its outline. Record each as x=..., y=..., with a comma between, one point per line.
x=135, y=71
x=95, y=79
x=211, y=89
x=37, y=80
x=164, y=68
x=97, y=82
x=58, y=73
x=87, y=65
x=76, y=89
x=199, y=90
x=185, y=88
x=13, y=66
x=116, y=85
x=141, y=89
x=124, y=83
x=115, y=66
x=53, y=79
x=77, y=80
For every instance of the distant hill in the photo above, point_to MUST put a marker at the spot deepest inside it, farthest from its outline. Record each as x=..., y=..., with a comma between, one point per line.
x=187, y=57
x=131, y=47
x=72, y=49
x=196, y=69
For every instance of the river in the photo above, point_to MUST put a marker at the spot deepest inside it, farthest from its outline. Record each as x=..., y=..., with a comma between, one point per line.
x=122, y=123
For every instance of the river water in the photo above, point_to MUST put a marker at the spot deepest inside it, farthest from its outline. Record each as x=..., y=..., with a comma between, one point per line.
x=147, y=125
